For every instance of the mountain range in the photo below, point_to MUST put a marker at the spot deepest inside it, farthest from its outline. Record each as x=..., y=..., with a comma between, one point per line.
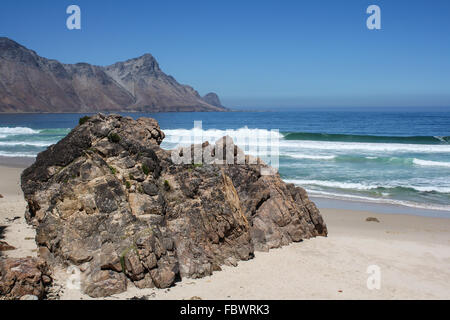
x=31, y=83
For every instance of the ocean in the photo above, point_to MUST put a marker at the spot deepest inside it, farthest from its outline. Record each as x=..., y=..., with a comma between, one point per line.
x=393, y=158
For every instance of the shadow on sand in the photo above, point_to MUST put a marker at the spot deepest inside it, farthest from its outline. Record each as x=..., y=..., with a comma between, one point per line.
x=2, y=232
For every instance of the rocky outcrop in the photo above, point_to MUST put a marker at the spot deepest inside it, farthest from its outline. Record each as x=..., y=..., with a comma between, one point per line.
x=30, y=83
x=109, y=200
x=213, y=99
x=21, y=278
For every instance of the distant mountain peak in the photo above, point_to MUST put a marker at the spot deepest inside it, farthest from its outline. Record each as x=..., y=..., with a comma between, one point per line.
x=213, y=99
x=146, y=57
x=9, y=44
x=5, y=40
x=11, y=50
x=30, y=83
x=144, y=63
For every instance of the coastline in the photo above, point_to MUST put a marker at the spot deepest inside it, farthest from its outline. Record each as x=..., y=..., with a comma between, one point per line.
x=377, y=207
x=322, y=202
x=339, y=162
x=413, y=253
x=16, y=162
x=117, y=111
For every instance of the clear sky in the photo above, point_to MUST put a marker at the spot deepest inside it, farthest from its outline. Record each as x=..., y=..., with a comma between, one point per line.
x=258, y=53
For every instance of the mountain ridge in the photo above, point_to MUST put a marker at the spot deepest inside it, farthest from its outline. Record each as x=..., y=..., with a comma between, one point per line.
x=31, y=83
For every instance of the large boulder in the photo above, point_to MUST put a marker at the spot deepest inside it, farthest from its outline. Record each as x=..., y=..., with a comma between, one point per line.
x=108, y=199
x=21, y=277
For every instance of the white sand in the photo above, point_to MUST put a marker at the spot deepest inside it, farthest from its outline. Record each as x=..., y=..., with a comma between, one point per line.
x=18, y=233
x=413, y=254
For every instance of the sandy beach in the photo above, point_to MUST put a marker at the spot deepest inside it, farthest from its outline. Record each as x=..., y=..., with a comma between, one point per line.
x=412, y=252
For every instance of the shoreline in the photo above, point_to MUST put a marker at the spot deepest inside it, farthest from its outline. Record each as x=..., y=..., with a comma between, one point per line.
x=413, y=253
x=321, y=202
x=377, y=207
x=115, y=111
x=16, y=162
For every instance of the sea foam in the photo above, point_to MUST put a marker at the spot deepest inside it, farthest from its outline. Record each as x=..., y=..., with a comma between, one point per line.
x=7, y=131
x=429, y=163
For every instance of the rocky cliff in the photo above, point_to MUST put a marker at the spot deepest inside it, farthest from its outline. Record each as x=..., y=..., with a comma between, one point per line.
x=30, y=83
x=213, y=99
x=109, y=200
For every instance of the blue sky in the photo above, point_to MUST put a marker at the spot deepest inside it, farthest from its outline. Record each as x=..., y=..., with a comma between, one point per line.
x=258, y=53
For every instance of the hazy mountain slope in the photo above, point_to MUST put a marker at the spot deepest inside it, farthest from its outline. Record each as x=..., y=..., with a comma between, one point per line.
x=30, y=83
x=213, y=99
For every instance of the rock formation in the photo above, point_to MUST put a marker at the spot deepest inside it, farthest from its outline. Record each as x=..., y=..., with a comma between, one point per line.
x=213, y=99
x=109, y=200
x=20, y=277
x=30, y=83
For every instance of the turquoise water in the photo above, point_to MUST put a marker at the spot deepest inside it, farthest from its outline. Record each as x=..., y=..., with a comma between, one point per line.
x=382, y=157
